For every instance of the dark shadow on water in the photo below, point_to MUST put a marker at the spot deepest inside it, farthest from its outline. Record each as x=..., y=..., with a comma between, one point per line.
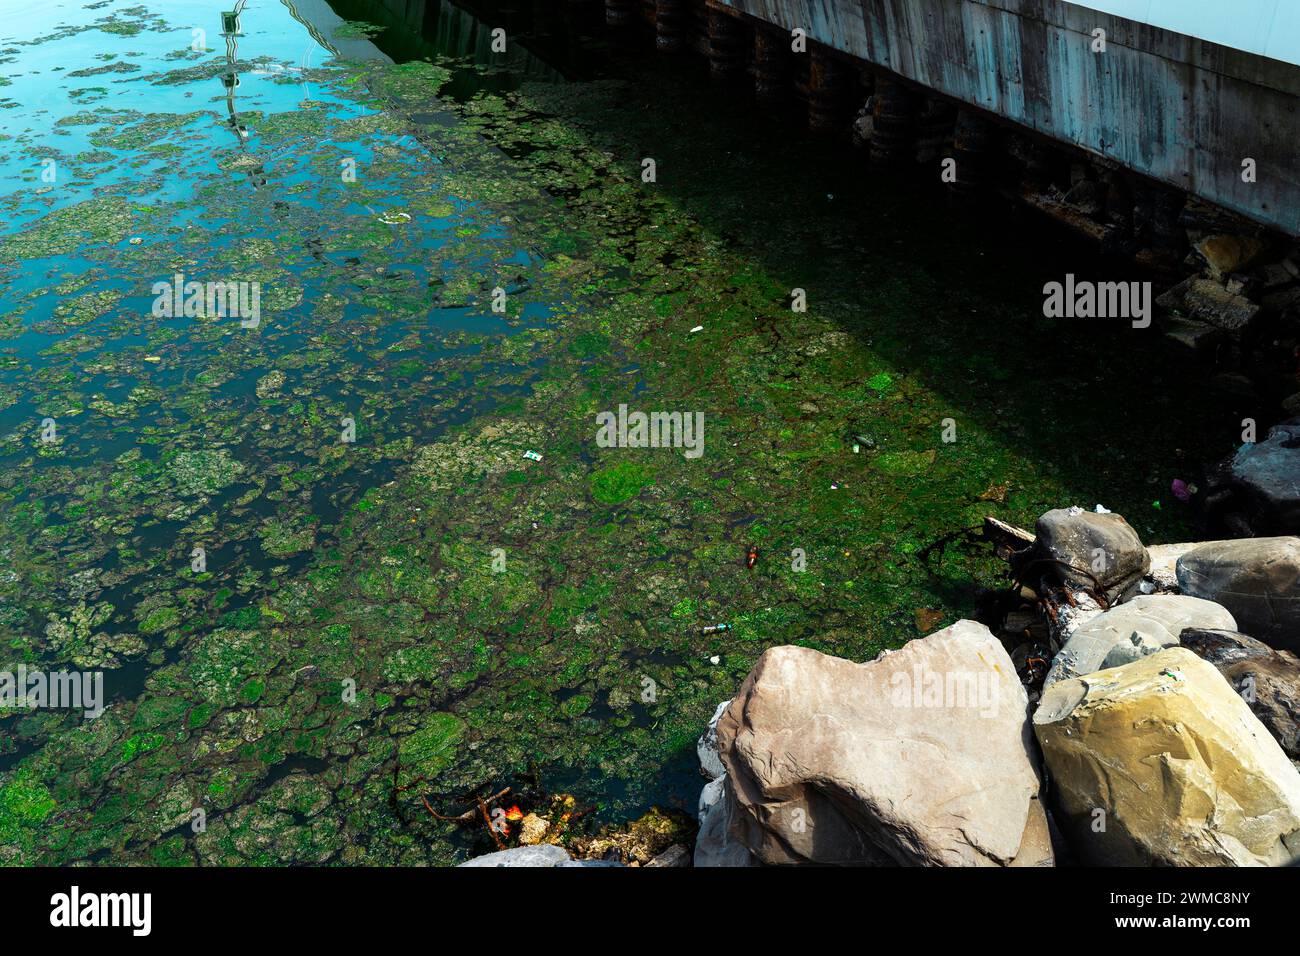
x=948, y=294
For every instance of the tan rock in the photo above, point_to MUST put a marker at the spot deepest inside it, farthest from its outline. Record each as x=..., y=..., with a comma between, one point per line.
x=922, y=757
x=1036, y=843
x=532, y=829
x=1225, y=253
x=1159, y=762
x=676, y=856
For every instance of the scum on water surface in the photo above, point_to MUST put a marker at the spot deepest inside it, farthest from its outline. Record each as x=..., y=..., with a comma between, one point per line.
x=370, y=564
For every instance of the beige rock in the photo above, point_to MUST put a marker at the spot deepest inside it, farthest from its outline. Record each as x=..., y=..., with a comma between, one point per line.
x=532, y=829
x=1159, y=762
x=675, y=855
x=922, y=757
x=1036, y=844
x=1164, y=561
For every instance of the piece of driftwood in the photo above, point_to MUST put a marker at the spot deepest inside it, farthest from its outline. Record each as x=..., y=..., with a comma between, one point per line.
x=1007, y=538
x=1063, y=608
x=470, y=814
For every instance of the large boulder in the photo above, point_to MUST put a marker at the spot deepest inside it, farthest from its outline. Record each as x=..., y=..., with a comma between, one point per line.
x=921, y=757
x=1160, y=763
x=1143, y=626
x=1266, y=679
x=1257, y=579
x=1084, y=548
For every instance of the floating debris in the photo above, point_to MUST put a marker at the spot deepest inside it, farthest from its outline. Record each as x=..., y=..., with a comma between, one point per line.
x=1182, y=490
x=927, y=619
x=860, y=439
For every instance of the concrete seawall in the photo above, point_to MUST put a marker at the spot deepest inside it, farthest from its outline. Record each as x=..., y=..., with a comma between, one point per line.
x=1184, y=111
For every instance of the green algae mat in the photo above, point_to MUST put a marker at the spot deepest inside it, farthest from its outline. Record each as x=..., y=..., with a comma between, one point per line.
x=361, y=556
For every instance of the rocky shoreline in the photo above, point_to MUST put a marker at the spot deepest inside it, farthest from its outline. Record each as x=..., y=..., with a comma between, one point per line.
x=1163, y=731
x=1117, y=704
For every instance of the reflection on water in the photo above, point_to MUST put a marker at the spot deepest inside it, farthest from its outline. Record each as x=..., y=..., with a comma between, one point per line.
x=148, y=147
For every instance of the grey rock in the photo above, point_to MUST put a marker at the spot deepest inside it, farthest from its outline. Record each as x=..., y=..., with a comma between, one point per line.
x=1257, y=579
x=590, y=863
x=717, y=844
x=675, y=855
x=1195, y=335
x=1083, y=546
x=1209, y=301
x=707, y=747
x=1143, y=626
x=1266, y=476
x=542, y=855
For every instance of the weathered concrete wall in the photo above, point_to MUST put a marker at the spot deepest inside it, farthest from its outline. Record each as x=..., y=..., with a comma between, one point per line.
x=1181, y=110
